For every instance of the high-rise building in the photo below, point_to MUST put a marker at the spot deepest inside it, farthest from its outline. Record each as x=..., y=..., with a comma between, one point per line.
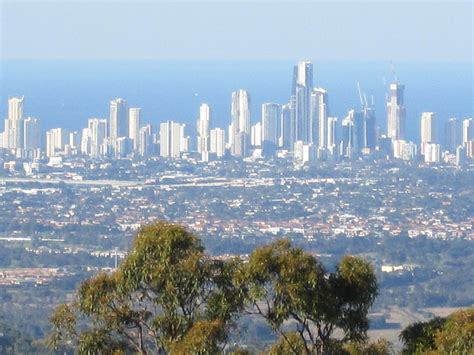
x=270, y=123
x=301, y=96
x=14, y=126
x=134, y=124
x=452, y=135
x=467, y=130
x=75, y=140
x=286, y=137
x=203, y=128
x=241, y=126
x=331, y=139
x=144, y=140
x=319, y=110
x=348, y=135
x=31, y=131
x=118, y=120
x=217, y=142
x=396, y=114
x=403, y=149
x=56, y=139
x=98, y=136
x=256, y=135
x=432, y=152
x=241, y=144
x=370, y=136
x=172, y=139
x=428, y=129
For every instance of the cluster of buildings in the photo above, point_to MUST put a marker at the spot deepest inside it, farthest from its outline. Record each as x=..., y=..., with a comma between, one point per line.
x=302, y=127
x=268, y=199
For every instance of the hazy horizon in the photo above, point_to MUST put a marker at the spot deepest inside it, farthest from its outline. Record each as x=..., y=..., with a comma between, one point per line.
x=209, y=30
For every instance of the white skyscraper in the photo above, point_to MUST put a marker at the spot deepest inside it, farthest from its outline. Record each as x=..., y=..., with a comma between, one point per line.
x=98, y=135
x=217, y=142
x=331, y=140
x=203, y=128
x=319, y=113
x=14, y=125
x=256, y=135
x=285, y=139
x=172, y=139
x=432, y=152
x=118, y=120
x=301, y=96
x=240, y=113
x=75, y=140
x=56, y=139
x=467, y=130
x=134, y=123
x=396, y=113
x=428, y=129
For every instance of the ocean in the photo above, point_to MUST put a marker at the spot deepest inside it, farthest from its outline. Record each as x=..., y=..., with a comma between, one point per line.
x=67, y=93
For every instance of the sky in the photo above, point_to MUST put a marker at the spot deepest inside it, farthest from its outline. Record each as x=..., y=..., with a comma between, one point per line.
x=235, y=30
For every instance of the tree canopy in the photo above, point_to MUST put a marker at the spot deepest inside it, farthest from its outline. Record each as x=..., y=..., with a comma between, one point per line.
x=451, y=335
x=169, y=297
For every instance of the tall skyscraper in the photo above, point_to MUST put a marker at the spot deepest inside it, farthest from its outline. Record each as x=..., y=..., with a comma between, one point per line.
x=172, y=139
x=203, y=128
x=467, y=130
x=98, y=135
x=332, y=138
x=240, y=113
x=118, y=120
x=370, y=139
x=396, y=114
x=452, y=135
x=319, y=109
x=428, y=129
x=270, y=123
x=14, y=125
x=301, y=96
x=134, y=124
x=285, y=139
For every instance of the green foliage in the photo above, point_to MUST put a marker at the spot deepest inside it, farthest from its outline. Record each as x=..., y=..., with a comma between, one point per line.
x=203, y=338
x=457, y=334
x=169, y=297
x=288, y=343
x=420, y=336
x=451, y=335
x=380, y=347
x=285, y=283
x=166, y=294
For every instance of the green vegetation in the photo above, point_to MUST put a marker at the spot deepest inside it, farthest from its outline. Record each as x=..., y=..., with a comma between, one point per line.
x=451, y=335
x=168, y=296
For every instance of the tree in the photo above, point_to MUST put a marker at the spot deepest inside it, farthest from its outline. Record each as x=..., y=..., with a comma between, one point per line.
x=167, y=294
x=284, y=283
x=451, y=335
x=420, y=336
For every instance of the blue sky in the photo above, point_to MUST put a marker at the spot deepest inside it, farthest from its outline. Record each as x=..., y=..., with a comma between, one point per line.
x=234, y=30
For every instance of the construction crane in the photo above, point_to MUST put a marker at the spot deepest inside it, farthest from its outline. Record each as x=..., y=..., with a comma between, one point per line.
x=360, y=95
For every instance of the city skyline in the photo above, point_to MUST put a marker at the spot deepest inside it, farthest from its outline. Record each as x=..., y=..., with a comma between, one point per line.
x=303, y=126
